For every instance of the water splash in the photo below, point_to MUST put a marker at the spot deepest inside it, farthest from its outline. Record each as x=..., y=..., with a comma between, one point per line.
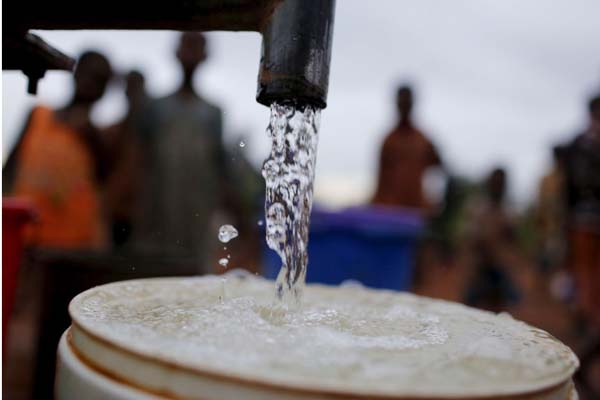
x=227, y=232
x=354, y=339
x=289, y=174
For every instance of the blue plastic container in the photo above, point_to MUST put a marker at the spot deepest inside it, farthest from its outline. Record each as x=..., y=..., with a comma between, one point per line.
x=373, y=245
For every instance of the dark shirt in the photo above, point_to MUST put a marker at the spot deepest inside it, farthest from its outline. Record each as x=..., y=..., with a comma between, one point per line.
x=183, y=176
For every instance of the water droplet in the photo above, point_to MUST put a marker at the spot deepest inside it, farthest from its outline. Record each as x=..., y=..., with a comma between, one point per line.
x=260, y=222
x=223, y=262
x=242, y=144
x=227, y=232
x=229, y=256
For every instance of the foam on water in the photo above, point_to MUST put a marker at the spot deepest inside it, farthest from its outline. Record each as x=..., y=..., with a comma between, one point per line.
x=289, y=173
x=347, y=337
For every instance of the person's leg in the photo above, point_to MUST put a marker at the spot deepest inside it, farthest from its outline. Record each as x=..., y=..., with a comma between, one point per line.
x=578, y=266
x=595, y=278
x=121, y=231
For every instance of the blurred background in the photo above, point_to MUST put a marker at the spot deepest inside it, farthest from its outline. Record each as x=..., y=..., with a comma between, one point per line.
x=459, y=157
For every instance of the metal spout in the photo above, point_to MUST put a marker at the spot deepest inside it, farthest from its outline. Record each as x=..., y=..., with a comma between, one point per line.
x=296, y=53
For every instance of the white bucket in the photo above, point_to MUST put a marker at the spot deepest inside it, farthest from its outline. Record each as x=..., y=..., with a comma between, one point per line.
x=154, y=339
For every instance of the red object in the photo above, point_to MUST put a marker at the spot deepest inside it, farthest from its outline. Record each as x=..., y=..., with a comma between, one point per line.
x=16, y=213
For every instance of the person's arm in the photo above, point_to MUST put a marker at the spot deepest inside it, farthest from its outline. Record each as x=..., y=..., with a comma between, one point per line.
x=570, y=187
x=9, y=169
x=99, y=152
x=223, y=165
x=433, y=158
x=384, y=156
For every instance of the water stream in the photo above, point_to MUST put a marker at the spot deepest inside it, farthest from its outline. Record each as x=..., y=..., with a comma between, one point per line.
x=289, y=174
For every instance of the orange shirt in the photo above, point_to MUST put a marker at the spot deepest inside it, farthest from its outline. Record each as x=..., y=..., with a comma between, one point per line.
x=405, y=156
x=56, y=171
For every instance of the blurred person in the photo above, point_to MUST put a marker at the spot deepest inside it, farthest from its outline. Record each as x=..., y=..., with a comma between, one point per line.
x=492, y=235
x=583, y=193
x=446, y=224
x=59, y=164
x=123, y=144
x=405, y=156
x=184, y=162
x=551, y=213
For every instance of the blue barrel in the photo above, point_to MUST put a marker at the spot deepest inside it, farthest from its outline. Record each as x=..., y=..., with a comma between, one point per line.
x=373, y=245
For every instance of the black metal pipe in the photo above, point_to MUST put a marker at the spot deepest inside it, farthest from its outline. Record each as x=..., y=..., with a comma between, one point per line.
x=194, y=15
x=296, y=53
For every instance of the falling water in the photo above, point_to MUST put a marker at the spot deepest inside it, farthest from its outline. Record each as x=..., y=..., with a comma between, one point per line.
x=289, y=173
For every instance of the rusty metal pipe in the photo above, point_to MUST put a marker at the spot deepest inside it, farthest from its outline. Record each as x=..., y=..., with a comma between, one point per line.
x=296, y=53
